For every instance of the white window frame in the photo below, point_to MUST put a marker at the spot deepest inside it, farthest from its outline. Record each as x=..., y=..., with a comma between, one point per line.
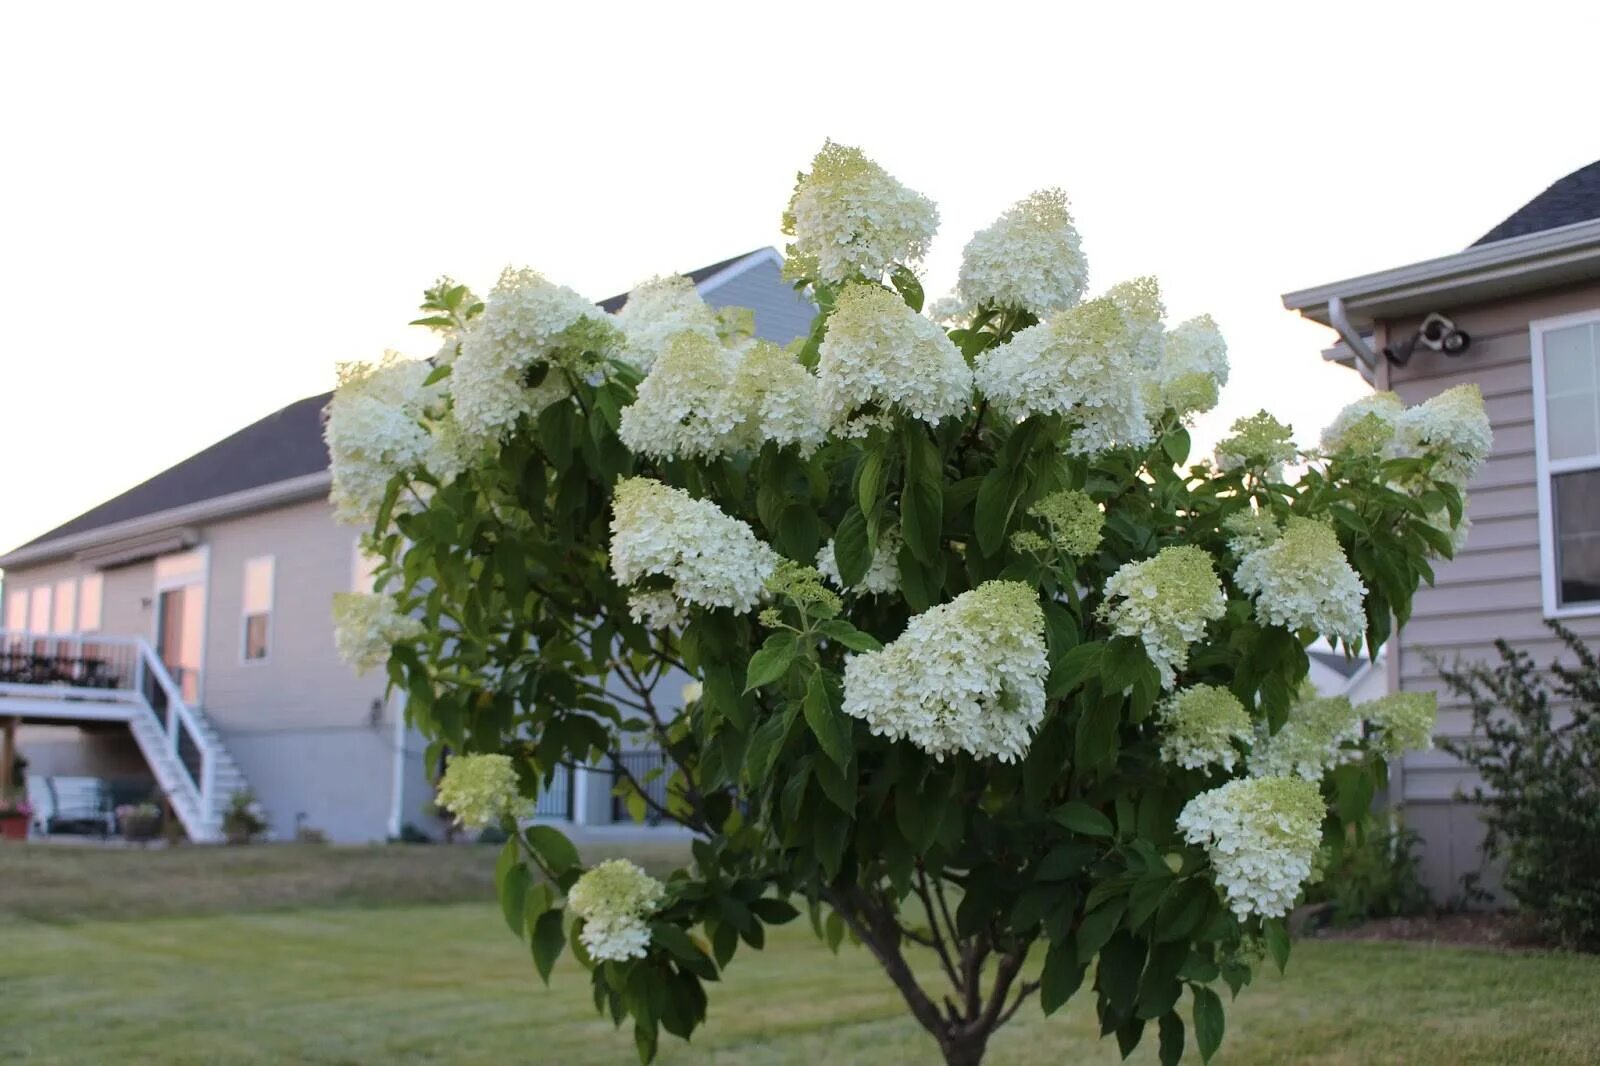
x=1547, y=468
x=245, y=612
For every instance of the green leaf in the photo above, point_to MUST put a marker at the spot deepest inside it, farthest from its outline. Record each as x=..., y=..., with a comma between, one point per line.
x=764, y=745
x=1208, y=1022
x=907, y=285
x=828, y=724
x=772, y=662
x=871, y=477
x=1171, y=1038
x=553, y=847
x=1065, y=861
x=1122, y=663
x=1074, y=667
x=1277, y=936
x=922, y=519
x=1097, y=927
x=799, y=531
x=774, y=911
x=676, y=940
x=1062, y=976
x=1121, y=962
x=841, y=632
x=1176, y=445
x=547, y=942
x=992, y=510
x=512, y=880
x=851, y=548
x=1082, y=818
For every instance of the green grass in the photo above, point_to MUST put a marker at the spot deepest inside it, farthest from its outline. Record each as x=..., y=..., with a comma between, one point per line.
x=323, y=956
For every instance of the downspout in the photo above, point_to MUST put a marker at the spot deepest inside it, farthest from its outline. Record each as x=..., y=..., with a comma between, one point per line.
x=1348, y=333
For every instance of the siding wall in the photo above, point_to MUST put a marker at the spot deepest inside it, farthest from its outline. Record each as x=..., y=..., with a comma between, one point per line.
x=1492, y=588
x=781, y=313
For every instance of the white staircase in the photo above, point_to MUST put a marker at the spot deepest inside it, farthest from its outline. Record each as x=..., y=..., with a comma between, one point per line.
x=107, y=679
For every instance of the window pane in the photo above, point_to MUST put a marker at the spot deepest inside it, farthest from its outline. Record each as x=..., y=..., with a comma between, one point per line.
x=1569, y=360
x=258, y=585
x=39, y=610
x=1577, y=507
x=1571, y=426
x=16, y=608
x=255, y=636
x=89, y=597
x=65, y=619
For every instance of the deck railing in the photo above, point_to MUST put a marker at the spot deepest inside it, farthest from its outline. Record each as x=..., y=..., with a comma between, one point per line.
x=93, y=666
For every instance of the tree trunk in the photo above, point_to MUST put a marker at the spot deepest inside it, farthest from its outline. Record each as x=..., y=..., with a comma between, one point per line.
x=962, y=1050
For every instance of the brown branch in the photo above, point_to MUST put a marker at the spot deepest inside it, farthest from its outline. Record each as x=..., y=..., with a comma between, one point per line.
x=939, y=945
x=879, y=933
x=1024, y=990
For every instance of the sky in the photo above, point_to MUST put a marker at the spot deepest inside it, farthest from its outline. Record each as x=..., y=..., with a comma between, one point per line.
x=203, y=208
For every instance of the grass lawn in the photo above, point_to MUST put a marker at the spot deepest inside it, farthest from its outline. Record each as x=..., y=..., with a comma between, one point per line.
x=446, y=983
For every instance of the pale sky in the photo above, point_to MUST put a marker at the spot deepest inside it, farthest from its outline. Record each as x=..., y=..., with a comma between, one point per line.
x=206, y=207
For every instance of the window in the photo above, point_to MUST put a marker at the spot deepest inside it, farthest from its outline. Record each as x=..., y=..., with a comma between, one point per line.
x=16, y=609
x=66, y=613
x=39, y=610
x=257, y=606
x=90, y=595
x=1566, y=394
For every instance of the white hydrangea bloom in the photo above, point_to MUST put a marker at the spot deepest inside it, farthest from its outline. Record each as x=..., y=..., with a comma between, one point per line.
x=883, y=573
x=1402, y=721
x=530, y=329
x=1303, y=581
x=711, y=558
x=615, y=901
x=685, y=408
x=1261, y=835
x=1030, y=258
x=1453, y=428
x=1250, y=531
x=1310, y=743
x=1143, y=316
x=1259, y=444
x=656, y=609
x=1194, y=368
x=1365, y=427
x=879, y=353
x=658, y=310
x=1200, y=725
x=480, y=790
x=948, y=311
x=366, y=625
x=1166, y=602
x=1080, y=364
x=851, y=219
x=375, y=430
x=966, y=676
x=778, y=398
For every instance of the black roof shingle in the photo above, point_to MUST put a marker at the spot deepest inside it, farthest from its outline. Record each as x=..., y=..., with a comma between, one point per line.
x=1575, y=198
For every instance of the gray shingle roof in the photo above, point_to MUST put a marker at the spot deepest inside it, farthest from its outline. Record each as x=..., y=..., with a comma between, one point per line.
x=286, y=444
x=1575, y=198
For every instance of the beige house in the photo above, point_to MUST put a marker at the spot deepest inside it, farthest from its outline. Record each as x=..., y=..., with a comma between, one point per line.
x=180, y=633
x=1517, y=313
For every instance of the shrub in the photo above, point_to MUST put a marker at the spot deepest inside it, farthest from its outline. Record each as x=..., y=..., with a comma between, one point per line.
x=244, y=820
x=1536, y=746
x=1372, y=874
x=986, y=665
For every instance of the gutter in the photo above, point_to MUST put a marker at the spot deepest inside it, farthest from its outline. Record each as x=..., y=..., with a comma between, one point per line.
x=260, y=498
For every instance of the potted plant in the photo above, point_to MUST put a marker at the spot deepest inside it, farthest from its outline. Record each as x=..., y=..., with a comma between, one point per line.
x=245, y=819
x=140, y=823
x=15, y=813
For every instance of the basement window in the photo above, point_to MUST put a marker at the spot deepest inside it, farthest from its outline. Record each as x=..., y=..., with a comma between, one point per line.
x=1566, y=394
x=257, y=606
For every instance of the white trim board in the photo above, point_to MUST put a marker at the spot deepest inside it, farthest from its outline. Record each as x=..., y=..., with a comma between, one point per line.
x=742, y=266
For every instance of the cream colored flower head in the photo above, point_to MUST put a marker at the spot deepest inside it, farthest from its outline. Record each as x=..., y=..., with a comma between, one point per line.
x=657, y=311
x=1261, y=835
x=1166, y=602
x=1201, y=726
x=851, y=220
x=1030, y=259
x=878, y=356
x=377, y=429
x=1302, y=580
x=367, y=625
x=480, y=790
x=616, y=900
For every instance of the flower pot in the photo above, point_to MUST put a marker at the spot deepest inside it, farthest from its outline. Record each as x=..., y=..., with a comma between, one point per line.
x=13, y=826
x=140, y=829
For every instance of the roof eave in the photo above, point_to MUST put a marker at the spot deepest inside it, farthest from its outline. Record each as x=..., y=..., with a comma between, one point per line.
x=1504, y=268
x=233, y=505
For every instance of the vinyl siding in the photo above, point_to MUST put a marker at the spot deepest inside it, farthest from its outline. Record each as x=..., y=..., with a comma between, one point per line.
x=781, y=313
x=1492, y=589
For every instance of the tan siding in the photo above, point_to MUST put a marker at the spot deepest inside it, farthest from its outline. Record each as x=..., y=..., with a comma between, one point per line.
x=125, y=599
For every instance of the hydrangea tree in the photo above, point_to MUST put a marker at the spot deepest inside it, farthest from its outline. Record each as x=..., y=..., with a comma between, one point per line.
x=987, y=671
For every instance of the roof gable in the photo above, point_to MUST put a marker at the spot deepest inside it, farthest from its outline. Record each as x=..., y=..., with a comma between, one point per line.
x=1575, y=198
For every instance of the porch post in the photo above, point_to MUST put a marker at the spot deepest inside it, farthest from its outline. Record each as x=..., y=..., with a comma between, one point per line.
x=8, y=755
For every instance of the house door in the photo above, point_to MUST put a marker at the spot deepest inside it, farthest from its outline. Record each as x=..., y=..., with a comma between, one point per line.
x=180, y=619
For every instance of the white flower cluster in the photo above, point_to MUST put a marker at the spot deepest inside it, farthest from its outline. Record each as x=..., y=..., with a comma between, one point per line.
x=966, y=676
x=711, y=558
x=1193, y=370
x=1088, y=363
x=656, y=609
x=1365, y=427
x=515, y=357
x=615, y=901
x=1166, y=602
x=480, y=790
x=366, y=625
x=1031, y=258
x=702, y=400
x=1303, y=581
x=880, y=354
x=1310, y=743
x=1259, y=444
x=883, y=573
x=1262, y=835
x=1402, y=721
x=1200, y=725
x=658, y=310
x=376, y=430
x=1452, y=428
x=851, y=219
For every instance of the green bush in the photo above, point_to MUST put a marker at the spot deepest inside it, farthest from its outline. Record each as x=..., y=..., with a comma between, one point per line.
x=1372, y=875
x=1540, y=790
